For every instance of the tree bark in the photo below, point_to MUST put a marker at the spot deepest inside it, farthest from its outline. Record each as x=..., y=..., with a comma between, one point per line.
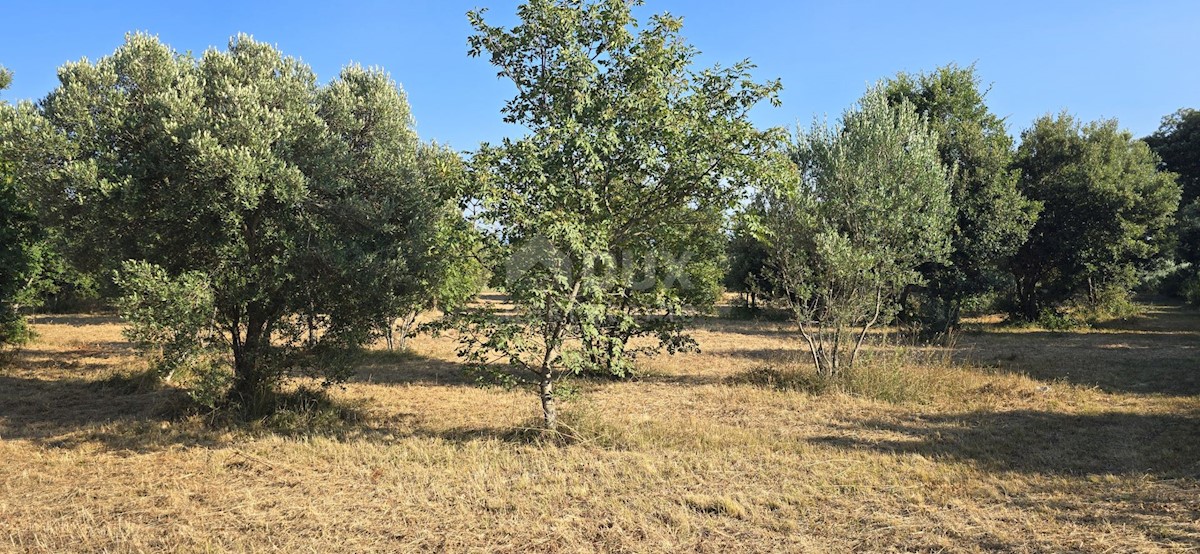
x=549, y=406
x=248, y=377
x=866, y=328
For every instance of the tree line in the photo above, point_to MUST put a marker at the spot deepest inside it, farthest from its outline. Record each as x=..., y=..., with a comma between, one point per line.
x=252, y=224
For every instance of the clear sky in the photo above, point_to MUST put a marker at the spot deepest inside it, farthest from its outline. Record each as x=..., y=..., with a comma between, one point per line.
x=1135, y=61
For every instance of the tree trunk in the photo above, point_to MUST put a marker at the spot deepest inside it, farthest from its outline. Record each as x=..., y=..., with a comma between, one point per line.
x=1027, y=302
x=549, y=406
x=249, y=380
x=406, y=331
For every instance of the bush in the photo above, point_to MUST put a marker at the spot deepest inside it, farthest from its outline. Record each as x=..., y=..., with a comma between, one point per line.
x=305, y=410
x=170, y=319
x=1166, y=279
x=1054, y=320
x=1190, y=289
x=14, y=333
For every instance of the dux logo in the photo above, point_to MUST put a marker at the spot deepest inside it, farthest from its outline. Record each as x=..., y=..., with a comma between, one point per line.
x=639, y=273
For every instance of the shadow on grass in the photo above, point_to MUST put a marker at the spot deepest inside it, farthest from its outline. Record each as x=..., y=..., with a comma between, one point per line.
x=57, y=399
x=1131, y=362
x=1163, y=445
x=123, y=412
x=405, y=367
x=1157, y=352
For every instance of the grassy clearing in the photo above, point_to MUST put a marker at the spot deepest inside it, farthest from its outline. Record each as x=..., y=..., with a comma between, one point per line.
x=1034, y=441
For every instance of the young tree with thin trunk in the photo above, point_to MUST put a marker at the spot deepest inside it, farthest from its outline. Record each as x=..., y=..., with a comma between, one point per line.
x=630, y=155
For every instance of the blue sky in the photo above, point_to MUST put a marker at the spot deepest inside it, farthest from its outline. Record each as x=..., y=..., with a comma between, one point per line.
x=1135, y=61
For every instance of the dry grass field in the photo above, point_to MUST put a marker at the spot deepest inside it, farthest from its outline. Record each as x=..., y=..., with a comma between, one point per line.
x=1033, y=441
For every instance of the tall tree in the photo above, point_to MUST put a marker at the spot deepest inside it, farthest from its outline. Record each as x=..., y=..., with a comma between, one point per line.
x=18, y=238
x=992, y=217
x=1177, y=142
x=1106, y=211
x=297, y=208
x=631, y=155
x=870, y=205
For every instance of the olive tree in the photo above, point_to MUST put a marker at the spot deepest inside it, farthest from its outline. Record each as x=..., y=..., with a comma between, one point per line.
x=869, y=206
x=608, y=203
x=746, y=258
x=19, y=235
x=1177, y=143
x=290, y=210
x=991, y=216
x=449, y=270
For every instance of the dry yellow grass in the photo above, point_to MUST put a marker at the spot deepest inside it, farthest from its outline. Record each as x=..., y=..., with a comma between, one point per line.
x=1045, y=442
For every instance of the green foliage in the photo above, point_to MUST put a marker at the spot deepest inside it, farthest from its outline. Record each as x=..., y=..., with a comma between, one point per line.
x=1188, y=229
x=299, y=208
x=447, y=269
x=747, y=272
x=170, y=318
x=34, y=150
x=17, y=259
x=611, y=206
x=871, y=204
x=19, y=235
x=1177, y=143
x=992, y=218
x=1054, y=320
x=1106, y=213
x=1191, y=289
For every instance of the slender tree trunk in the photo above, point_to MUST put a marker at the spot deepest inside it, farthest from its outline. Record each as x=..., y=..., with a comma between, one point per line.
x=406, y=329
x=549, y=405
x=812, y=345
x=871, y=323
x=1028, y=304
x=953, y=311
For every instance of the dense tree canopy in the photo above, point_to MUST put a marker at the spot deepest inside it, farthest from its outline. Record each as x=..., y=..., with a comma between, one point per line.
x=300, y=208
x=19, y=235
x=992, y=218
x=1177, y=142
x=1106, y=211
x=612, y=203
x=870, y=206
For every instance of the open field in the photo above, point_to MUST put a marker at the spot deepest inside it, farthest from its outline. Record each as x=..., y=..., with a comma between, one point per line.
x=1037, y=442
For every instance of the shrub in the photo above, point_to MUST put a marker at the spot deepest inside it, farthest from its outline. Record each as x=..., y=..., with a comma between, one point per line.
x=1191, y=289
x=170, y=318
